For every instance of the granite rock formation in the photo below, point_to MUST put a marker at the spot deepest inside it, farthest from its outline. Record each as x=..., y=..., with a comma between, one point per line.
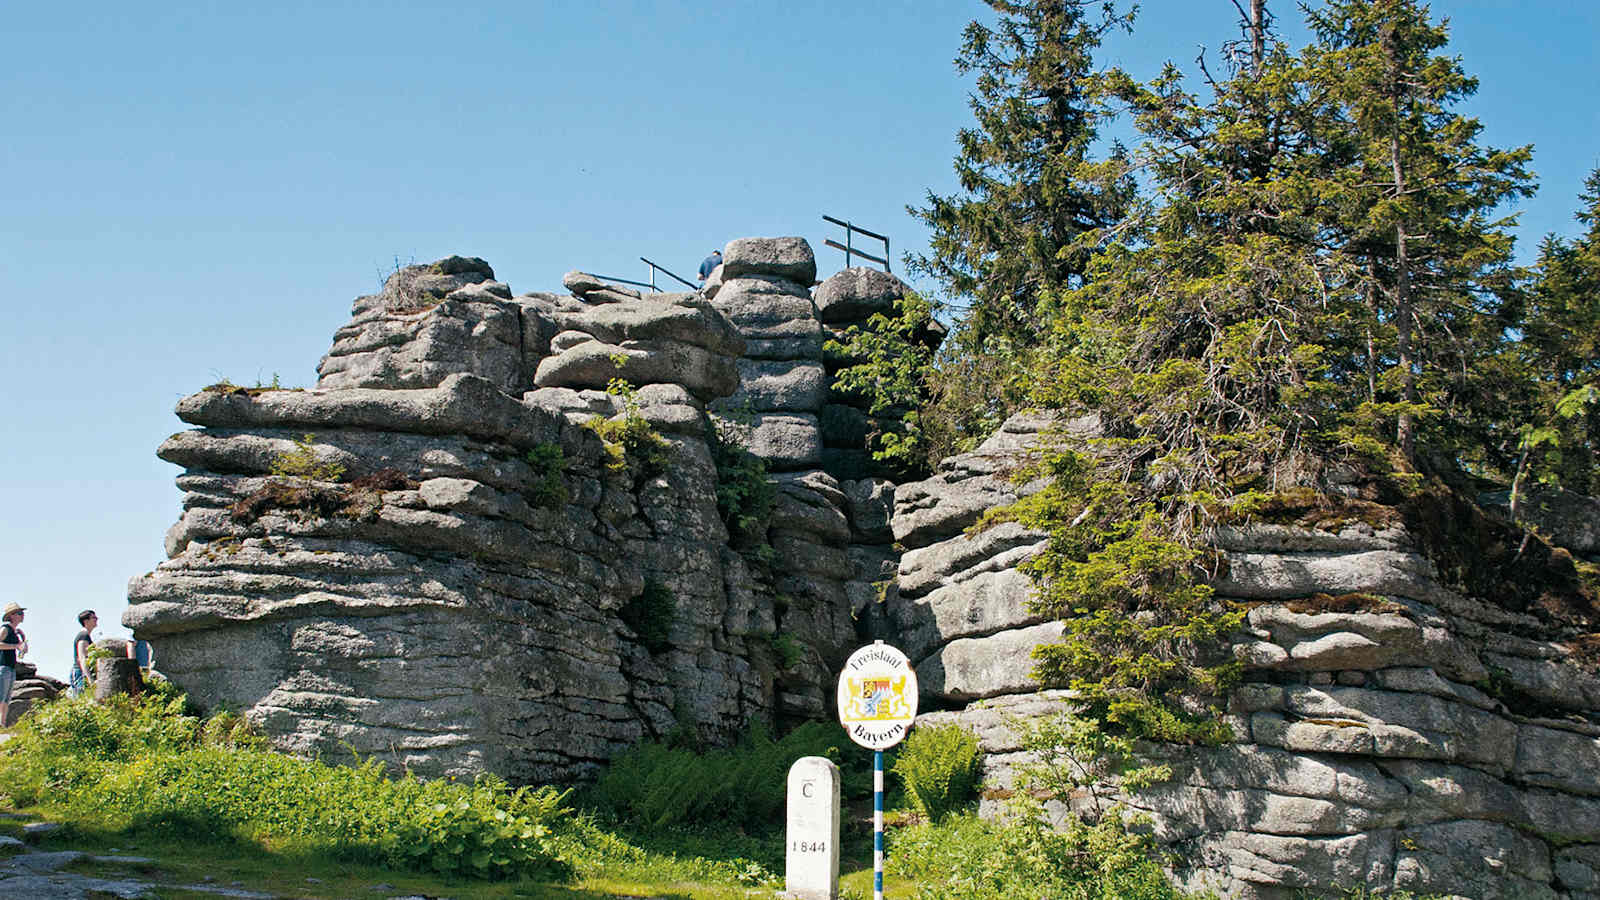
x=449, y=555
x=1396, y=730
x=455, y=572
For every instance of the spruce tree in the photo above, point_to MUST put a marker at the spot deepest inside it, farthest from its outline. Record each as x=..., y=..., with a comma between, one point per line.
x=1317, y=264
x=1418, y=212
x=1559, y=437
x=1206, y=342
x=1029, y=189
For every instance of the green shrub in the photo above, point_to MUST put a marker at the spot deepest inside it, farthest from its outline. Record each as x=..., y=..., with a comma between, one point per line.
x=744, y=492
x=302, y=462
x=888, y=364
x=789, y=650
x=972, y=859
x=657, y=784
x=629, y=439
x=142, y=765
x=938, y=764
x=549, y=463
x=1104, y=854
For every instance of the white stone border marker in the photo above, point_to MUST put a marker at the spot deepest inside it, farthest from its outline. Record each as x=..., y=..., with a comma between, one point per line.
x=811, y=860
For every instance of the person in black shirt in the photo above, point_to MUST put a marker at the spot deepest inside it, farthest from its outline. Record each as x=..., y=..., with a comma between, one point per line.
x=13, y=644
x=80, y=652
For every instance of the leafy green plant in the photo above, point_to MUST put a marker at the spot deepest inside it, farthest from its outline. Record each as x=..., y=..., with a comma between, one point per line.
x=302, y=462
x=651, y=615
x=93, y=655
x=642, y=855
x=967, y=858
x=888, y=365
x=628, y=438
x=938, y=764
x=744, y=492
x=789, y=650
x=1029, y=852
x=659, y=784
x=1078, y=757
x=549, y=463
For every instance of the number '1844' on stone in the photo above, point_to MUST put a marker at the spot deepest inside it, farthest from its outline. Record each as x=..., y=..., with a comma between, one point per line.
x=811, y=857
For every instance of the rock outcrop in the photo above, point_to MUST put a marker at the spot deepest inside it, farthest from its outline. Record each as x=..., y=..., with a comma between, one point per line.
x=1394, y=731
x=30, y=688
x=489, y=539
x=449, y=555
x=765, y=291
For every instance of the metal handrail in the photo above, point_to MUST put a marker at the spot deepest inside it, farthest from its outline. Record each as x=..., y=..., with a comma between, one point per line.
x=849, y=247
x=651, y=284
x=654, y=268
x=612, y=278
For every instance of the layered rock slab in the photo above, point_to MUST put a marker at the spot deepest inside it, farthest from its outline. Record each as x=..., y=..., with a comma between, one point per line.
x=1393, y=732
x=465, y=595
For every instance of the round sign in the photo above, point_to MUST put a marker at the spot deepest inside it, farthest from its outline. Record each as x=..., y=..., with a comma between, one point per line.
x=877, y=696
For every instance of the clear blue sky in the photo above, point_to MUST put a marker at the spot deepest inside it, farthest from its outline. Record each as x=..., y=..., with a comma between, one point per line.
x=197, y=190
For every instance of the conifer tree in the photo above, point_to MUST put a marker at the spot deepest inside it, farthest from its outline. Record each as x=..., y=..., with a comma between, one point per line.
x=1029, y=190
x=1317, y=254
x=1032, y=201
x=1559, y=437
x=1207, y=343
x=1417, y=211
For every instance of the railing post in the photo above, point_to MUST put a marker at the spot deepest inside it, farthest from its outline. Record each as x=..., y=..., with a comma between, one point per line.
x=849, y=245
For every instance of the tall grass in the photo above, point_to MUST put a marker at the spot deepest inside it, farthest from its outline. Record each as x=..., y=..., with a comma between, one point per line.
x=969, y=858
x=140, y=765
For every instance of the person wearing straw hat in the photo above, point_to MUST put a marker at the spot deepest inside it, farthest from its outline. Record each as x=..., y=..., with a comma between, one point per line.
x=13, y=644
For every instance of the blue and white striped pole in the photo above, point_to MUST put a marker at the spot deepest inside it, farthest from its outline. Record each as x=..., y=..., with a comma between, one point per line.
x=877, y=700
x=877, y=825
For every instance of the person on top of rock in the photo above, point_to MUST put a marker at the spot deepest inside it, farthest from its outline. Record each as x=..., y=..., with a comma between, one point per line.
x=709, y=265
x=80, y=652
x=13, y=646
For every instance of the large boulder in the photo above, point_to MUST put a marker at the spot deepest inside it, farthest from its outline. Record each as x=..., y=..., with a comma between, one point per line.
x=787, y=441
x=781, y=257
x=680, y=317
x=428, y=323
x=779, y=386
x=594, y=364
x=766, y=307
x=855, y=294
x=417, y=287
x=1571, y=520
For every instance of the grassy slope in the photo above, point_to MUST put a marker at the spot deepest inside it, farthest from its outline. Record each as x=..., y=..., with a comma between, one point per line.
x=685, y=865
